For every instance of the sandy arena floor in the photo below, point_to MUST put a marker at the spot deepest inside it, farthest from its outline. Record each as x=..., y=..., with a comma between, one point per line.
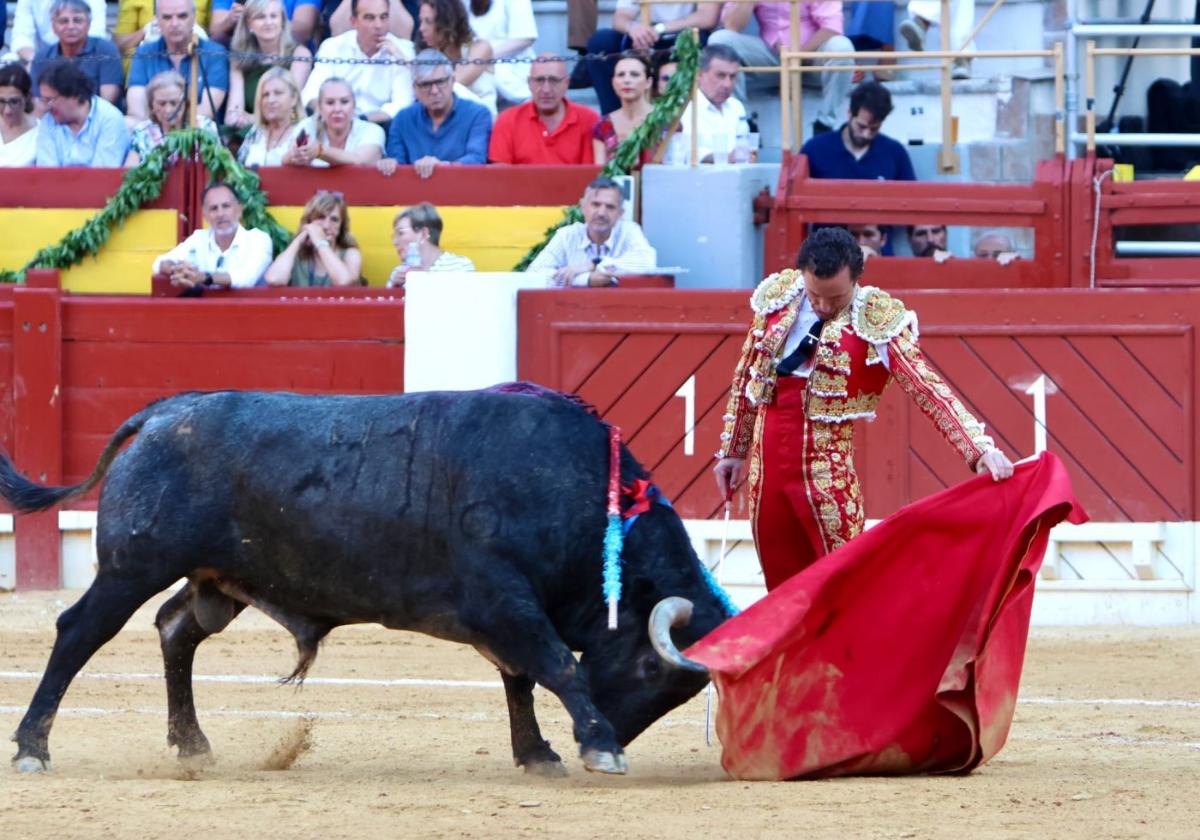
x=1105, y=744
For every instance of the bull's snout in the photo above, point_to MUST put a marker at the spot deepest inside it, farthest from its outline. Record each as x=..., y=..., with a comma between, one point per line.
x=668, y=613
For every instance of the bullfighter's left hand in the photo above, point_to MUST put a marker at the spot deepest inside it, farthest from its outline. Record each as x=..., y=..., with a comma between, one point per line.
x=996, y=463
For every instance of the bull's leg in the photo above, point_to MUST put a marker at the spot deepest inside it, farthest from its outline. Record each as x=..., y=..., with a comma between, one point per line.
x=187, y=619
x=82, y=630
x=530, y=749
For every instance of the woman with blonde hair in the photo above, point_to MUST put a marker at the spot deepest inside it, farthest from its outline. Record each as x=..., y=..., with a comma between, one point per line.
x=167, y=102
x=263, y=29
x=276, y=120
x=333, y=136
x=324, y=252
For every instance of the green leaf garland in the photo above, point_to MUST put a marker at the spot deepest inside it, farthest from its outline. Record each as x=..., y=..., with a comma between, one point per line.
x=144, y=183
x=649, y=134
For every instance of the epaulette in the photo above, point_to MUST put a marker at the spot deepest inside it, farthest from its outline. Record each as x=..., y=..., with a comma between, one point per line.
x=876, y=316
x=776, y=291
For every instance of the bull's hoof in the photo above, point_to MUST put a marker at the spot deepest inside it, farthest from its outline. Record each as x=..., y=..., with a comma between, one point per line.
x=598, y=761
x=30, y=764
x=546, y=769
x=196, y=761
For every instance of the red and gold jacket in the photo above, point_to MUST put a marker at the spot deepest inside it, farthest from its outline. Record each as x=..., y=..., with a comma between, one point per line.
x=849, y=375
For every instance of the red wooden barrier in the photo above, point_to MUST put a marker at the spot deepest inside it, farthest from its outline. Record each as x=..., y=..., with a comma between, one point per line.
x=1120, y=366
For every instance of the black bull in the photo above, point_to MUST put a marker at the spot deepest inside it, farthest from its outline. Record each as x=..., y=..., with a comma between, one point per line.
x=475, y=517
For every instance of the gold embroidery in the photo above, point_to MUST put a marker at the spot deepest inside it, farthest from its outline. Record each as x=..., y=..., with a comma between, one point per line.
x=826, y=384
x=842, y=409
x=877, y=316
x=833, y=485
x=833, y=358
x=776, y=291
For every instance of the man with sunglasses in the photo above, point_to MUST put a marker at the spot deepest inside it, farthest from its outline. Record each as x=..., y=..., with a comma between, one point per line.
x=221, y=254
x=439, y=127
x=549, y=129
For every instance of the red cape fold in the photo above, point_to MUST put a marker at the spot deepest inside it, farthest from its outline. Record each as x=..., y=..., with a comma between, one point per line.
x=901, y=652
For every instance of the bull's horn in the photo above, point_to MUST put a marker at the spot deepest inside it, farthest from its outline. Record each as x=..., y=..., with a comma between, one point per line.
x=668, y=613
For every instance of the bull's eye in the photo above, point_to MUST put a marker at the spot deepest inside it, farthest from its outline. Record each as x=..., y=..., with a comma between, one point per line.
x=649, y=666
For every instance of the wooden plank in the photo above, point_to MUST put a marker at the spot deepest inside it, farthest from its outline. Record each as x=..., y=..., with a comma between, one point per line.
x=611, y=379
x=581, y=353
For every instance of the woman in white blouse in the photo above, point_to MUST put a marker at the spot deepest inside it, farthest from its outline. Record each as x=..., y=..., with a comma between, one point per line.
x=276, y=120
x=18, y=128
x=333, y=136
x=509, y=26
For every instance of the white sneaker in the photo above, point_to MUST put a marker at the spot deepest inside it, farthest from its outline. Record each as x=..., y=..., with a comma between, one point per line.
x=961, y=69
x=913, y=30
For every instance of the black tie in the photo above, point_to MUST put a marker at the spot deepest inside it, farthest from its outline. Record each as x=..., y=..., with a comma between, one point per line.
x=803, y=352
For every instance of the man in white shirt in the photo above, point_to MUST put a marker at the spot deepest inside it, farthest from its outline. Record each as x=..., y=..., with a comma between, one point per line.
x=379, y=90
x=223, y=254
x=32, y=29
x=601, y=247
x=720, y=112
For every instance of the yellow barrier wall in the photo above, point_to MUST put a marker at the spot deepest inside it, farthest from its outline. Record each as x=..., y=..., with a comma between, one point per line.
x=122, y=266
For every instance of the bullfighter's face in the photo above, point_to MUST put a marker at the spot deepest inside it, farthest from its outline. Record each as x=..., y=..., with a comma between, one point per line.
x=829, y=295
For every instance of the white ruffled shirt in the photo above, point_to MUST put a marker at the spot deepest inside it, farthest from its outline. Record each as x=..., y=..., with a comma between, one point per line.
x=805, y=318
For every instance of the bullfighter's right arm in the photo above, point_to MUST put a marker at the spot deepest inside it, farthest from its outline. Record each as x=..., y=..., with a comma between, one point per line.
x=738, y=433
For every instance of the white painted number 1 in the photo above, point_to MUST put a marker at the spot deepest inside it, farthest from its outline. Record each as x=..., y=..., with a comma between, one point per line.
x=1038, y=391
x=688, y=391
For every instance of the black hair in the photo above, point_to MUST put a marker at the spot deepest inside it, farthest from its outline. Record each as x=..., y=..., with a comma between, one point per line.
x=68, y=81
x=14, y=75
x=718, y=51
x=828, y=250
x=872, y=96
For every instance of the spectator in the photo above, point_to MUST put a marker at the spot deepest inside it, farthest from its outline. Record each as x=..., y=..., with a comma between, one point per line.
x=871, y=27
x=442, y=25
x=323, y=252
x=593, y=252
x=858, y=150
x=78, y=128
x=582, y=17
x=628, y=32
x=422, y=224
x=509, y=26
x=401, y=17
x=300, y=19
x=662, y=76
x=549, y=129
x=222, y=254
x=18, y=127
x=632, y=81
x=262, y=28
x=176, y=19
x=872, y=239
x=33, y=29
x=98, y=57
x=926, y=13
x=136, y=23
x=333, y=136
x=276, y=120
x=167, y=94
x=380, y=89
x=929, y=241
x=995, y=245
x=820, y=30
x=721, y=114
x=439, y=127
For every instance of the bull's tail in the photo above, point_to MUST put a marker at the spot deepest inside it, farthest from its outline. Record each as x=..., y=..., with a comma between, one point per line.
x=27, y=496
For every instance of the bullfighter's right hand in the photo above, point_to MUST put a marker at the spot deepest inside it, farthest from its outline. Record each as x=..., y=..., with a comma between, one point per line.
x=729, y=473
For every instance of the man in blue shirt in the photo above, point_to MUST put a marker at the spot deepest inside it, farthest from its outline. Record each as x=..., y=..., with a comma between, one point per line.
x=98, y=57
x=78, y=128
x=175, y=20
x=439, y=127
x=858, y=151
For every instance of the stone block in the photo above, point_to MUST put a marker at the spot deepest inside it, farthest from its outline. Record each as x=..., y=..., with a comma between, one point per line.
x=1018, y=162
x=985, y=161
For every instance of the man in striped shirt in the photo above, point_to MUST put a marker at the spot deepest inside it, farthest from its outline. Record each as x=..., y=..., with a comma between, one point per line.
x=601, y=247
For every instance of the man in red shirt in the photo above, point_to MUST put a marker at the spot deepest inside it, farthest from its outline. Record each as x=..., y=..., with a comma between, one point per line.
x=549, y=128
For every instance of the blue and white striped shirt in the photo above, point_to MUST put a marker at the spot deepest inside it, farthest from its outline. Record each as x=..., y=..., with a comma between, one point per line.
x=627, y=251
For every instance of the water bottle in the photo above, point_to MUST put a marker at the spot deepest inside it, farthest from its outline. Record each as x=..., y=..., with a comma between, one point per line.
x=412, y=256
x=741, y=144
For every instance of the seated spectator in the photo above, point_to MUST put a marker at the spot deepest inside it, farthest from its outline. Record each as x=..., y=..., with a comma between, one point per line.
x=33, y=28
x=595, y=251
x=300, y=19
x=628, y=33
x=98, y=57
x=422, y=225
x=721, y=114
x=666, y=68
x=820, y=30
x=858, y=150
x=548, y=129
x=136, y=23
x=176, y=19
x=995, y=245
x=401, y=16
x=323, y=252
x=262, y=28
x=333, y=136
x=18, y=127
x=439, y=127
x=632, y=81
x=380, y=90
x=872, y=239
x=276, y=120
x=222, y=254
x=78, y=128
x=929, y=241
x=442, y=25
x=510, y=28
x=167, y=94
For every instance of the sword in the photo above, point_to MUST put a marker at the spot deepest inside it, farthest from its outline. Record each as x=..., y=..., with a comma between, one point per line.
x=719, y=574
